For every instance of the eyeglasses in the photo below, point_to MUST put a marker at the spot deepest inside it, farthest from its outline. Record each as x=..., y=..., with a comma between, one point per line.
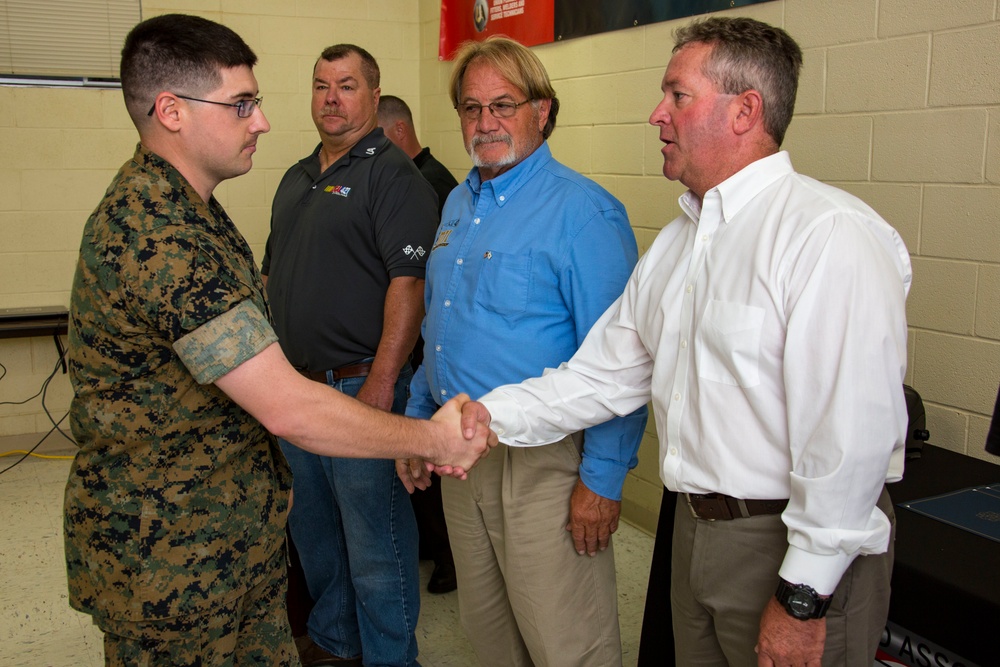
x=470, y=111
x=244, y=108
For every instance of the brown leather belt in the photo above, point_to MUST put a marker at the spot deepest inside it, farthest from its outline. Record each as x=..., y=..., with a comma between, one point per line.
x=720, y=507
x=342, y=373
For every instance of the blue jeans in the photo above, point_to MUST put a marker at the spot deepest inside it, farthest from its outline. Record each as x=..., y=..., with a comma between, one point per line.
x=353, y=526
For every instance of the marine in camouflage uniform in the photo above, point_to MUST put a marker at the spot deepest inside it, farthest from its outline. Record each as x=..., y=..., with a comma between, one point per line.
x=176, y=502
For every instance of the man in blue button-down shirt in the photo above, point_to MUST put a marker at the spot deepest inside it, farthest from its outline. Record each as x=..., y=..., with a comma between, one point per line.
x=528, y=255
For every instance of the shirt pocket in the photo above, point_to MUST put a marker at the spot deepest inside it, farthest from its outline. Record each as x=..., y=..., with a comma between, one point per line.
x=728, y=343
x=504, y=283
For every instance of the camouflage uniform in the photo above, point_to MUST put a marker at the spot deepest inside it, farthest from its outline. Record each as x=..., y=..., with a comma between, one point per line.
x=176, y=502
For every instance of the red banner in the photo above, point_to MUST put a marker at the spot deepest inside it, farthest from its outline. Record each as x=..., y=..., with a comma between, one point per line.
x=534, y=22
x=528, y=21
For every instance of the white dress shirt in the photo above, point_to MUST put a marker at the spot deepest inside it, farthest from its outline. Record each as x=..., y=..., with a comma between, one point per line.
x=767, y=323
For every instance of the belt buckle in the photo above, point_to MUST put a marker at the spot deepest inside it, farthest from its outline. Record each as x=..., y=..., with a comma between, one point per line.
x=717, y=501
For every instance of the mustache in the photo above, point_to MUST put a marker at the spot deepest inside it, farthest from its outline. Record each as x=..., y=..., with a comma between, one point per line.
x=331, y=111
x=492, y=138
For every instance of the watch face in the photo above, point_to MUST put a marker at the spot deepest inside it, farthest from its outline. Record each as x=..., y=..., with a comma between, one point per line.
x=801, y=604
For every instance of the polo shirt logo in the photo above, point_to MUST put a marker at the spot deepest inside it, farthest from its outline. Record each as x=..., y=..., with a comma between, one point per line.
x=414, y=253
x=341, y=190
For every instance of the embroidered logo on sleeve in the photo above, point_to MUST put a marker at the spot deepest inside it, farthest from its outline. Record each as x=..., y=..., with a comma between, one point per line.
x=341, y=190
x=414, y=253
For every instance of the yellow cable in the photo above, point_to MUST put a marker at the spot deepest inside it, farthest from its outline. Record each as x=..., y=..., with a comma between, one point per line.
x=14, y=452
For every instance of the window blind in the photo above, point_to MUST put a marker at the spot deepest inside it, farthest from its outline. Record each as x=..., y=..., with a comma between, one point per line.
x=65, y=38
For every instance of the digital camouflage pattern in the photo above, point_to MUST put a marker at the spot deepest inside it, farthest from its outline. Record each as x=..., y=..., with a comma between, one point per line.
x=177, y=498
x=251, y=631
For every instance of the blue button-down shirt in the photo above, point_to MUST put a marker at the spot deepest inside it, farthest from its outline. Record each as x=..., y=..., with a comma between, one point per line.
x=521, y=268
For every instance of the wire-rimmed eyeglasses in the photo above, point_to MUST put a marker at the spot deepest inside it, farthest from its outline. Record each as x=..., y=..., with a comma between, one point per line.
x=472, y=111
x=244, y=108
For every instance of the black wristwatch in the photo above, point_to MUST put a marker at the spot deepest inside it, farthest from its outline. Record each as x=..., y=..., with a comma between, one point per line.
x=801, y=601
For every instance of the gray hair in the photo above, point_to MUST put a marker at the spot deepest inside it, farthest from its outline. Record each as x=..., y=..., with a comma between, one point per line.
x=750, y=55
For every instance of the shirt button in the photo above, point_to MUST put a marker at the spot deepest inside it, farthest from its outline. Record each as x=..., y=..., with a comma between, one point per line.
x=684, y=344
x=500, y=431
x=459, y=262
x=673, y=451
x=690, y=288
x=437, y=348
x=444, y=392
x=502, y=198
x=476, y=221
x=447, y=303
x=704, y=238
x=677, y=397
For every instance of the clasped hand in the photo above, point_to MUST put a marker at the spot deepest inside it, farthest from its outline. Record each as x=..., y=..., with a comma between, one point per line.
x=464, y=443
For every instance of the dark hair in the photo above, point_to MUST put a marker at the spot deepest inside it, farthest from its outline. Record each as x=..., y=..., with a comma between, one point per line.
x=177, y=53
x=514, y=62
x=369, y=67
x=391, y=107
x=750, y=55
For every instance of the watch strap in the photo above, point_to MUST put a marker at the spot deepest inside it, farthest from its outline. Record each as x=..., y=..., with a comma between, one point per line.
x=785, y=593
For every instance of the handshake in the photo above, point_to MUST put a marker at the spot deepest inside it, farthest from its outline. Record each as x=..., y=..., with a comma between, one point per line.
x=465, y=440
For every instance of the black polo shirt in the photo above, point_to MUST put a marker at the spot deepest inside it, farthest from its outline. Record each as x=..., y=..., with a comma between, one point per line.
x=437, y=175
x=336, y=240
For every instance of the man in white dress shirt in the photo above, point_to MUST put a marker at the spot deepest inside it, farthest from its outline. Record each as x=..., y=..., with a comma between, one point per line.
x=767, y=324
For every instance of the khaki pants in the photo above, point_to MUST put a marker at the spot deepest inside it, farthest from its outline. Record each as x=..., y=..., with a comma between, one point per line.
x=525, y=596
x=250, y=630
x=724, y=572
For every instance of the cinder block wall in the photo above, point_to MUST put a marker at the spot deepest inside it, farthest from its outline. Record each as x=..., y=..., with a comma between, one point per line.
x=899, y=103
x=61, y=148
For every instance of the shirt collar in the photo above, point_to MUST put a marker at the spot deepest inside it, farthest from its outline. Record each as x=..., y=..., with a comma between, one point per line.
x=736, y=191
x=509, y=182
x=422, y=156
x=157, y=166
x=368, y=146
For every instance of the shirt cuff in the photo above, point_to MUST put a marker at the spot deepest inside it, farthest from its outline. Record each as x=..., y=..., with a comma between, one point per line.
x=225, y=342
x=821, y=572
x=508, y=422
x=603, y=477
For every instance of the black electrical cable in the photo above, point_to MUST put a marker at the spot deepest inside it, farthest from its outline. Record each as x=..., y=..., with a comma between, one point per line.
x=41, y=392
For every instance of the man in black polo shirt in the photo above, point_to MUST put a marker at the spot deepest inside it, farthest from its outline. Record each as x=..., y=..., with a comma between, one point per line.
x=351, y=229
x=396, y=120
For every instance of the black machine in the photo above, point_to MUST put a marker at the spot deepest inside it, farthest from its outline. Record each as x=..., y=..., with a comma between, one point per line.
x=916, y=431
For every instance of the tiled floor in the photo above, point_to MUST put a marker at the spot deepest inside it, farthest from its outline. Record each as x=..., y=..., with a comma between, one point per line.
x=38, y=628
